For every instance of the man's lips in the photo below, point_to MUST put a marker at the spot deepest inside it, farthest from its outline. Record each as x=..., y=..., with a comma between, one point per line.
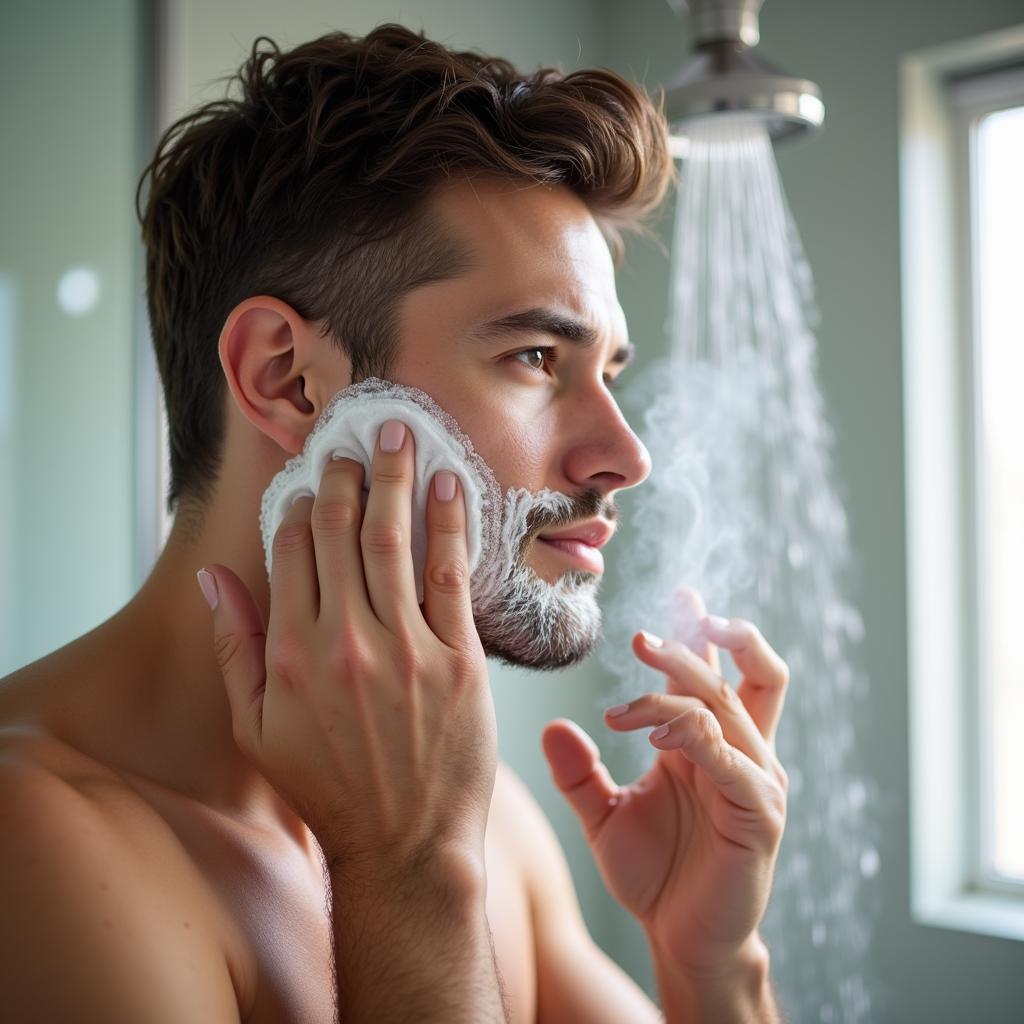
x=581, y=543
x=595, y=534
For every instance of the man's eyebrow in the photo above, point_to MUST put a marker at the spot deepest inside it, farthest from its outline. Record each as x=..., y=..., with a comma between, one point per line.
x=548, y=321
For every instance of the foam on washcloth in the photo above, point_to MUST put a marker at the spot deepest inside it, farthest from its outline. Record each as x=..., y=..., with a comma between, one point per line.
x=348, y=428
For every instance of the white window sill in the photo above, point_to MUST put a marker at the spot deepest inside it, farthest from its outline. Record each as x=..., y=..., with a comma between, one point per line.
x=983, y=913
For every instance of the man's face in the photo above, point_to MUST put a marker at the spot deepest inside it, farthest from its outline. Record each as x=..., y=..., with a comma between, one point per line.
x=534, y=402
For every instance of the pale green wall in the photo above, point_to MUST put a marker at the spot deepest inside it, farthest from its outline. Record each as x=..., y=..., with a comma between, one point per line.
x=72, y=100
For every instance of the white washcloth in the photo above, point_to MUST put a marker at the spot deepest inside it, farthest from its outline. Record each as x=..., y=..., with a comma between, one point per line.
x=348, y=427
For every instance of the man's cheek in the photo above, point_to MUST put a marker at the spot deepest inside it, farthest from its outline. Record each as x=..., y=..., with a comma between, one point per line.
x=515, y=454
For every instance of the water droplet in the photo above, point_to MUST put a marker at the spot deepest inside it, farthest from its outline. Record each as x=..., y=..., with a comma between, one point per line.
x=869, y=862
x=857, y=794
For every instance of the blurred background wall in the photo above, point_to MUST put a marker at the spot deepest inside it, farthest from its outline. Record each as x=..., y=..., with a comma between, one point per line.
x=83, y=97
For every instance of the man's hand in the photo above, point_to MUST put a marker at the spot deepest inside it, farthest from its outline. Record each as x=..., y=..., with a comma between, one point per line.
x=372, y=717
x=690, y=848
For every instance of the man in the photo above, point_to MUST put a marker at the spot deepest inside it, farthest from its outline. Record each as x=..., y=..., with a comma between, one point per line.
x=305, y=818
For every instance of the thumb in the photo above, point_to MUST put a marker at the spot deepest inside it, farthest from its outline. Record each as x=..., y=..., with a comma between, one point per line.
x=580, y=774
x=240, y=644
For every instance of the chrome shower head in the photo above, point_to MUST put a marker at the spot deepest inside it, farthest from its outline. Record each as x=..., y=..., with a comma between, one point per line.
x=724, y=78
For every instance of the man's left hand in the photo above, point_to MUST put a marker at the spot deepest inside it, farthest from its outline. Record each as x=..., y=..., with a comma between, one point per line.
x=690, y=847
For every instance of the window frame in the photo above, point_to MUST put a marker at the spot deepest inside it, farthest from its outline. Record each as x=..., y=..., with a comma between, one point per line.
x=942, y=90
x=972, y=99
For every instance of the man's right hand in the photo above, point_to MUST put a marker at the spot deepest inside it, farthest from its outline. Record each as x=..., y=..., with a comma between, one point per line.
x=369, y=714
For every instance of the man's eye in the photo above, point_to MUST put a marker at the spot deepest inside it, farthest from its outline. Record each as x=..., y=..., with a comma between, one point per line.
x=545, y=352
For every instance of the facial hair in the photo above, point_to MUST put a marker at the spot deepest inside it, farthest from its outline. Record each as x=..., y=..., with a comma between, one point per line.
x=524, y=620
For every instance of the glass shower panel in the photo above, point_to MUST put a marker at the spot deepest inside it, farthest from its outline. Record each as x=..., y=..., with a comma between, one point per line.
x=73, y=122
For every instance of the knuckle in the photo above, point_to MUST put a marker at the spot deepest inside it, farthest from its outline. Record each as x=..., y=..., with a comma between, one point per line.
x=387, y=473
x=291, y=536
x=781, y=776
x=448, y=527
x=448, y=577
x=746, y=630
x=335, y=517
x=226, y=648
x=386, y=539
x=344, y=467
x=704, y=724
x=346, y=661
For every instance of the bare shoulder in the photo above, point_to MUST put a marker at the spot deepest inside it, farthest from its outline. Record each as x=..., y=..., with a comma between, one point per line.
x=97, y=924
x=88, y=932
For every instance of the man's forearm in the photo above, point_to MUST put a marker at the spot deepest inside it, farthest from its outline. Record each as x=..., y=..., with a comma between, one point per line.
x=417, y=950
x=736, y=993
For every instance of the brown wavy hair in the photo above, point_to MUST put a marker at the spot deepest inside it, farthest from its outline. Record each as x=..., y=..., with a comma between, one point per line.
x=310, y=186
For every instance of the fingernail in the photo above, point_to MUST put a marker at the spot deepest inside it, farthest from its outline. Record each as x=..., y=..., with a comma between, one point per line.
x=208, y=585
x=718, y=622
x=392, y=434
x=619, y=709
x=444, y=485
x=661, y=731
x=651, y=640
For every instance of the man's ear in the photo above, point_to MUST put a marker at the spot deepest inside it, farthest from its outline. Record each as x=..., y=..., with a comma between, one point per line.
x=280, y=369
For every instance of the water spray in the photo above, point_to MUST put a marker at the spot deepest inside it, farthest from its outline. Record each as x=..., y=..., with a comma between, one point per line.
x=742, y=502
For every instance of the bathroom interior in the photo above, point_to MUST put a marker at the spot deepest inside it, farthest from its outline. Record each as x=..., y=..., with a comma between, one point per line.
x=830, y=353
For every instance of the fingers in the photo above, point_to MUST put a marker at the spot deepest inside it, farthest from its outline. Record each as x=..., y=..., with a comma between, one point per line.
x=765, y=674
x=446, y=601
x=577, y=770
x=336, y=520
x=690, y=675
x=386, y=534
x=650, y=709
x=294, y=592
x=688, y=612
x=698, y=736
x=240, y=645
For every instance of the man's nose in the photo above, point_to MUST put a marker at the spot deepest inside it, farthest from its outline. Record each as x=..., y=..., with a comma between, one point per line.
x=604, y=452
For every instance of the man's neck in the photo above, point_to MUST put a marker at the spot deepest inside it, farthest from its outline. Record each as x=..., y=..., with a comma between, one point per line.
x=143, y=692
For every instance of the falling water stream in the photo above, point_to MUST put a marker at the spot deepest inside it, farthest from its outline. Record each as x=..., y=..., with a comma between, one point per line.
x=743, y=501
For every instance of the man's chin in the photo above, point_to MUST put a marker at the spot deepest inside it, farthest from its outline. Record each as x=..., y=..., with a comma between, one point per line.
x=546, y=638
x=564, y=657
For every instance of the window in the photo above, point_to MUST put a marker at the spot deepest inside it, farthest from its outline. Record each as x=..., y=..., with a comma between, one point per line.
x=992, y=134
x=962, y=240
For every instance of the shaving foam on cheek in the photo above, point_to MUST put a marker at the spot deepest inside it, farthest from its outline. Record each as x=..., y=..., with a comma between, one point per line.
x=348, y=428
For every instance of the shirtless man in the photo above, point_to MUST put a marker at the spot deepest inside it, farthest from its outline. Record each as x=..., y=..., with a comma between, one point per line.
x=305, y=818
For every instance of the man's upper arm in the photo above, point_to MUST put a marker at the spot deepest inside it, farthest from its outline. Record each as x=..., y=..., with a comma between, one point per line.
x=576, y=979
x=84, y=935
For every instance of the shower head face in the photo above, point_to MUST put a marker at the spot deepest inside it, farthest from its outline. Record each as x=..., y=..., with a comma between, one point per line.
x=725, y=79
